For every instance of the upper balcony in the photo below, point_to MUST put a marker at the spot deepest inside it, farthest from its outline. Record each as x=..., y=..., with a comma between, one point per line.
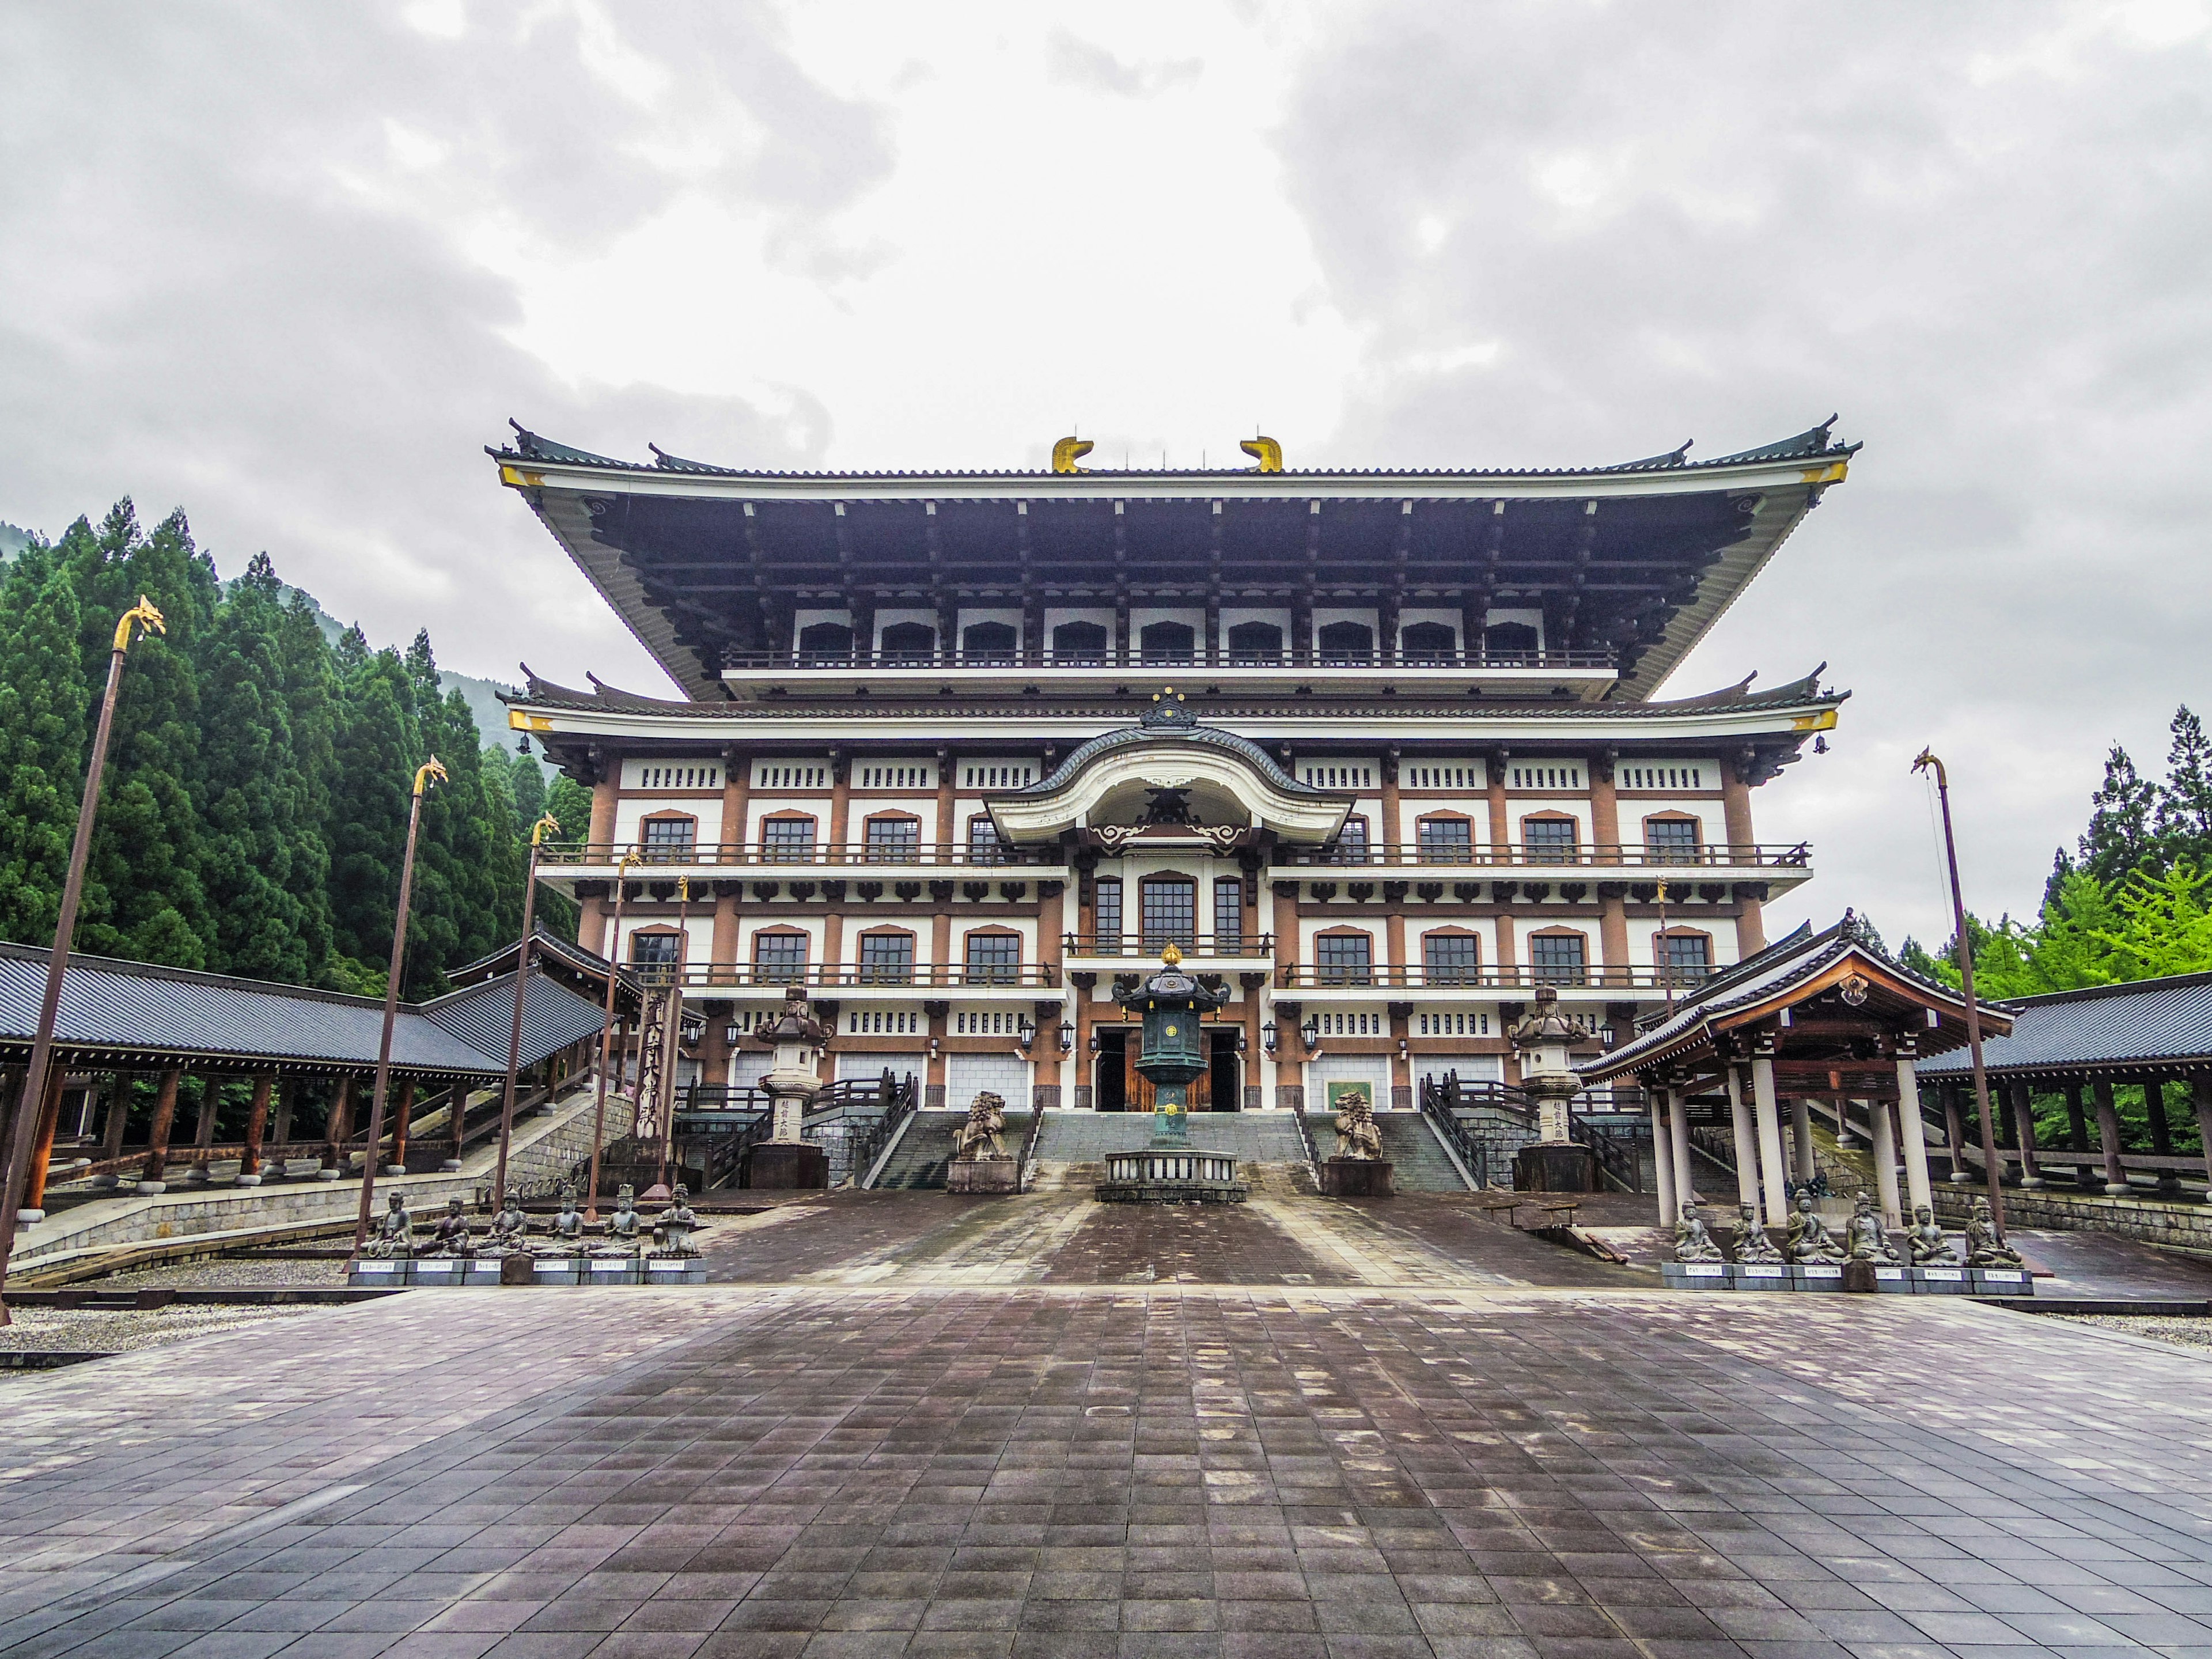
x=1583, y=674
x=1641, y=868
x=800, y=860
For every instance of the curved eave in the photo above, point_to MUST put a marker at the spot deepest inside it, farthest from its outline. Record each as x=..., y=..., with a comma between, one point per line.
x=1298, y=814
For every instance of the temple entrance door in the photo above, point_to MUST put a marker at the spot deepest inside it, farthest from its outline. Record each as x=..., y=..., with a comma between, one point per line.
x=1111, y=1072
x=1138, y=1088
x=1225, y=1083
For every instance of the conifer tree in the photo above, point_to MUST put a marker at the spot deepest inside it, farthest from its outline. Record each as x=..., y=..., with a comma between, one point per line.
x=42, y=741
x=2183, y=814
x=2119, y=838
x=377, y=753
x=311, y=697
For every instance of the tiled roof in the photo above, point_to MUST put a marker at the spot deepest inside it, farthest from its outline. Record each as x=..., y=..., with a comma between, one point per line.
x=482, y=1016
x=138, y=1008
x=2149, y=1021
x=1812, y=444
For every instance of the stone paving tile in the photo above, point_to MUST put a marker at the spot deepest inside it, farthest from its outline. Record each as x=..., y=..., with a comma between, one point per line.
x=1126, y=1469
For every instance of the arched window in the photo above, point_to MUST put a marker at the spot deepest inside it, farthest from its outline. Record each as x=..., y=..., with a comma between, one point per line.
x=1549, y=839
x=1343, y=643
x=656, y=950
x=1081, y=643
x=1510, y=642
x=667, y=838
x=1671, y=838
x=1428, y=645
x=893, y=838
x=1560, y=958
x=779, y=957
x=909, y=639
x=825, y=642
x=1255, y=642
x=1684, y=957
x=1168, y=641
x=1451, y=956
x=887, y=957
x=1447, y=838
x=787, y=838
x=988, y=644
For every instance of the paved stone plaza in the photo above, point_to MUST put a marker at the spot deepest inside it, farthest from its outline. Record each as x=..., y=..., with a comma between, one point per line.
x=862, y=1452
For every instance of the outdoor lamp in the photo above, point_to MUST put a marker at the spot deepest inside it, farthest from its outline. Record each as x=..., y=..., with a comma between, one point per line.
x=522, y=743
x=1267, y=1036
x=1311, y=1030
x=1066, y=1040
x=1241, y=1044
x=730, y=1034
x=1097, y=1040
x=1025, y=1033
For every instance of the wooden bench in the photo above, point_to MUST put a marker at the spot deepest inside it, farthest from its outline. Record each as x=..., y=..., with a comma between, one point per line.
x=1509, y=1202
x=1560, y=1210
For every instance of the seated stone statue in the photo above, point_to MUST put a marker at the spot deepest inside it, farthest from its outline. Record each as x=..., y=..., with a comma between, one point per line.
x=1865, y=1232
x=1691, y=1242
x=451, y=1236
x=979, y=1137
x=568, y=1228
x=623, y=1226
x=1356, y=1133
x=508, y=1229
x=1930, y=1244
x=1752, y=1243
x=676, y=1225
x=1983, y=1248
x=393, y=1236
x=1810, y=1241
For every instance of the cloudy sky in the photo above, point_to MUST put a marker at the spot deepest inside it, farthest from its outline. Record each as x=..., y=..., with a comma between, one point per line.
x=292, y=266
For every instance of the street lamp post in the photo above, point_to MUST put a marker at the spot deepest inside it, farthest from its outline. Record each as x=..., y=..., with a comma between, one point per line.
x=521, y=989
x=30, y=1104
x=424, y=775
x=1990, y=1167
x=606, y=1038
x=664, y=1109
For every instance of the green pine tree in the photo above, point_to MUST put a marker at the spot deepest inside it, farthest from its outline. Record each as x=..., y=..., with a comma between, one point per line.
x=43, y=741
x=2183, y=817
x=377, y=751
x=2120, y=838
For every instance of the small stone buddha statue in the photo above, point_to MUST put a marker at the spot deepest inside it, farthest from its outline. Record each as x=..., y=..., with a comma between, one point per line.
x=394, y=1235
x=1691, y=1242
x=1810, y=1241
x=1868, y=1241
x=676, y=1225
x=508, y=1228
x=1930, y=1244
x=567, y=1227
x=451, y=1235
x=1752, y=1243
x=623, y=1225
x=1983, y=1248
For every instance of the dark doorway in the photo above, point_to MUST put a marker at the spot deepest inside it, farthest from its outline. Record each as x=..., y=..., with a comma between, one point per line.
x=1225, y=1078
x=1111, y=1084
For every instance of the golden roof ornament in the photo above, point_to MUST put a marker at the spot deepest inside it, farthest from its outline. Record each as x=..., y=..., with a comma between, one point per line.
x=1068, y=450
x=1265, y=451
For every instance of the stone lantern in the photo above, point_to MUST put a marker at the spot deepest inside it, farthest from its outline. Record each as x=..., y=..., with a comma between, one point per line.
x=787, y=1158
x=1172, y=1056
x=1542, y=1038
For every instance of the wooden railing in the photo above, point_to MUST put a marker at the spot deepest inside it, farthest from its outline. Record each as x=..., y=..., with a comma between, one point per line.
x=855, y=975
x=789, y=856
x=1522, y=854
x=1331, y=976
x=1151, y=944
x=1137, y=656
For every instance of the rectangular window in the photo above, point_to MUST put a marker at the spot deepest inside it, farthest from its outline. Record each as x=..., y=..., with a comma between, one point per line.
x=668, y=841
x=984, y=844
x=654, y=955
x=1449, y=958
x=1671, y=840
x=1345, y=958
x=1107, y=907
x=887, y=959
x=1688, y=959
x=1447, y=841
x=779, y=958
x=1170, y=914
x=1549, y=840
x=1555, y=958
x=1350, y=846
x=1228, y=915
x=894, y=840
x=994, y=958
x=787, y=840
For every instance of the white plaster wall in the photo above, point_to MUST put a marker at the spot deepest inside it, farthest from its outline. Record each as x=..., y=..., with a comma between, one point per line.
x=706, y=809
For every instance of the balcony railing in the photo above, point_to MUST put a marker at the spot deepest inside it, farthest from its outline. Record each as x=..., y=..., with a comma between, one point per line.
x=789, y=856
x=1335, y=976
x=1523, y=853
x=1149, y=945
x=854, y=976
x=1138, y=657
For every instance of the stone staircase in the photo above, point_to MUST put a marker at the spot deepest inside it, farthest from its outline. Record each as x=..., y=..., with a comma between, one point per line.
x=1073, y=1147
x=927, y=1147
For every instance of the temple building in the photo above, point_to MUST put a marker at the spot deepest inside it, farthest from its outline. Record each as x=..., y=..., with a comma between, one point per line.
x=1382, y=750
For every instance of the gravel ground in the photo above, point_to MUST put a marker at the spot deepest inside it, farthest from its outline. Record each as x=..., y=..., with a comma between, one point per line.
x=2183, y=1333
x=86, y=1332
x=226, y=1275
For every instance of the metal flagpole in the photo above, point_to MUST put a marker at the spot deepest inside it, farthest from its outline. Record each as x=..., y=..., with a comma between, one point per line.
x=664, y=1106
x=425, y=774
x=30, y=1104
x=1991, y=1168
x=547, y=820
x=607, y=1039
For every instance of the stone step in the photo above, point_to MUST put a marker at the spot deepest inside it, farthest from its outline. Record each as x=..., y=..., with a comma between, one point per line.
x=927, y=1147
x=1086, y=1137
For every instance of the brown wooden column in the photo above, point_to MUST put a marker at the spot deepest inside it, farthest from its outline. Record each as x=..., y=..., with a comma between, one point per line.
x=1954, y=1128
x=50, y=1117
x=2023, y=1125
x=204, y=1120
x=2161, y=1133
x=737, y=799
x=119, y=1116
x=400, y=1125
x=339, y=1127
x=840, y=803
x=2108, y=1136
x=1501, y=821
x=457, y=1118
x=257, y=1123
x=1052, y=903
x=2200, y=1090
x=1402, y=1065
x=592, y=923
x=157, y=1133
x=288, y=1093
